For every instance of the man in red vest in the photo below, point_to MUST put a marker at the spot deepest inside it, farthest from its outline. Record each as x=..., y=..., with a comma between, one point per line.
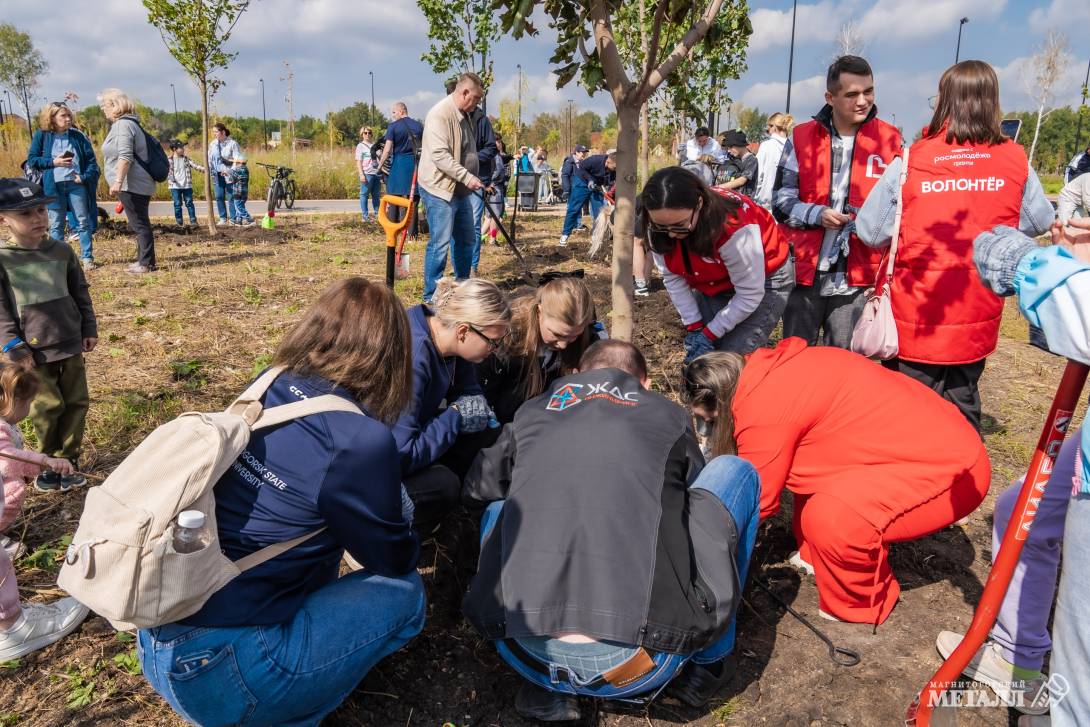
x=828, y=167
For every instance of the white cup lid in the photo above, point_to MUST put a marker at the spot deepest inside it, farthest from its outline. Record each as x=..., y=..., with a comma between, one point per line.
x=191, y=519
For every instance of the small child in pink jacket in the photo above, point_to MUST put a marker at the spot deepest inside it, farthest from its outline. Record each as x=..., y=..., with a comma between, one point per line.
x=24, y=627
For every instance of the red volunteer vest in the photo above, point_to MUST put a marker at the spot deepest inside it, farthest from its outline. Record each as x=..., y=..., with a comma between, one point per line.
x=709, y=275
x=876, y=143
x=953, y=192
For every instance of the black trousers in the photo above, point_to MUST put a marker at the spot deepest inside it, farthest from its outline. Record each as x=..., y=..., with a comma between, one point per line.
x=956, y=383
x=435, y=491
x=136, y=210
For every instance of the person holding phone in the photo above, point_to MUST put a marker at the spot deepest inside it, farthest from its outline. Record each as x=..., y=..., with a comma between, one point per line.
x=68, y=165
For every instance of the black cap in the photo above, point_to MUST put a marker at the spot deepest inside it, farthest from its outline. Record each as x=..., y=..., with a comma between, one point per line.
x=735, y=137
x=17, y=193
x=176, y=144
x=579, y=148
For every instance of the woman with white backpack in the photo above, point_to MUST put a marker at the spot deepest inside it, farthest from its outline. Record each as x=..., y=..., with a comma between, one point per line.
x=287, y=640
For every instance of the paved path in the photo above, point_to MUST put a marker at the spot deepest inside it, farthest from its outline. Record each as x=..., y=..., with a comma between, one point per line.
x=256, y=208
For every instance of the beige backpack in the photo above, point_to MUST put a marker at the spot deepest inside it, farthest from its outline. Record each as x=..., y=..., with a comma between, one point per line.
x=122, y=563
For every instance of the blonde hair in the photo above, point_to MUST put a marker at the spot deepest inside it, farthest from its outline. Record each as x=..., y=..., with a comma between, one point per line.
x=567, y=300
x=16, y=384
x=711, y=381
x=782, y=122
x=476, y=302
x=48, y=115
x=118, y=101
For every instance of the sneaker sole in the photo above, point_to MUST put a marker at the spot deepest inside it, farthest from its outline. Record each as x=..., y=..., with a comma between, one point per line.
x=996, y=684
x=41, y=642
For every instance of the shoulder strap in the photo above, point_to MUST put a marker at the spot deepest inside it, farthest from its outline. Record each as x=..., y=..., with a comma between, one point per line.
x=297, y=409
x=897, y=216
x=248, y=404
x=271, y=551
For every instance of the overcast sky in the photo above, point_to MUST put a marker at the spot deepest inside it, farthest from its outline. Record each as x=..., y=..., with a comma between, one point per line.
x=333, y=44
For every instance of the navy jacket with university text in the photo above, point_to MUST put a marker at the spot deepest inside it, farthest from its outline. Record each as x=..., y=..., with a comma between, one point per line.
x=336, y=470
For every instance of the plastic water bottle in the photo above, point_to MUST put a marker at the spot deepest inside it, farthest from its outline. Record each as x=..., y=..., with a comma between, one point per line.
x=189, y=533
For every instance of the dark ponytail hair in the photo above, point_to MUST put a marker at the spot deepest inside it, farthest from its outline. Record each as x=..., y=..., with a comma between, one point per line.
x=678, y=188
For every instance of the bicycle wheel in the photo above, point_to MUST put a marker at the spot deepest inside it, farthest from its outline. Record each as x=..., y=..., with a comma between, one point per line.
x=289, y=194
x=274, y=195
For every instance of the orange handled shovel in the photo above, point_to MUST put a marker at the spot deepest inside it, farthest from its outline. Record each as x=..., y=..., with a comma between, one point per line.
x=392, y=229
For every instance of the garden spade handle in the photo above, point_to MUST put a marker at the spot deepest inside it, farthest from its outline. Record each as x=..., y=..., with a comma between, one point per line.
x=1025, y=510
x=392, y=228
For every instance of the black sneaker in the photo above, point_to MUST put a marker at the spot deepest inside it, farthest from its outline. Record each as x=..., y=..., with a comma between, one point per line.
x=70, y=481
x=48, y=481
x=698, y=683
x=534, y=702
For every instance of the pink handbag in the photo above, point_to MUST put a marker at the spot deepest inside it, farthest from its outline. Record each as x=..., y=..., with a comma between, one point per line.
x=875, y=335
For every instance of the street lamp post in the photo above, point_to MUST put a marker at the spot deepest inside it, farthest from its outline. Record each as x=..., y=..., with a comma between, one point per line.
x=371, y=111
x=264, y=121
x=571, y=138
x=957, y=53
x=26, y=105
x=791, y=54
x=174, y=95
x=518, y=118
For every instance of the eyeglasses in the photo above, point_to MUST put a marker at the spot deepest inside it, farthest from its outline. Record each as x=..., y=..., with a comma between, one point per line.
x=680, y=229
x=494, y=344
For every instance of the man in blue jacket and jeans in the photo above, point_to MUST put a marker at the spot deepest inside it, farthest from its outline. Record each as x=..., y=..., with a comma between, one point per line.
x=589, y=178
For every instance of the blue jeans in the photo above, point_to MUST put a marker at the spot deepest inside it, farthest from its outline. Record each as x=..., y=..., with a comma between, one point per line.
x=241, y=213
x=72, y=197
x=478, y=215
x=450, y=226
x=1070, y=682
x=225, y=199
x=292, y=673
x=180, y=197
x=580, y=192
x=735, y=482
x=369, y=190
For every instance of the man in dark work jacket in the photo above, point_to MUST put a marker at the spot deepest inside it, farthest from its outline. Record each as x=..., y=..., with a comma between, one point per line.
x=611, y=556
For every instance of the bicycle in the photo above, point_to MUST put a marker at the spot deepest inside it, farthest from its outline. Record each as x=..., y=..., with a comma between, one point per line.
x=282, y=188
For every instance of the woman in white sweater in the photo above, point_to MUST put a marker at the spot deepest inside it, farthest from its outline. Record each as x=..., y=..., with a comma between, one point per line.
x=768, y=156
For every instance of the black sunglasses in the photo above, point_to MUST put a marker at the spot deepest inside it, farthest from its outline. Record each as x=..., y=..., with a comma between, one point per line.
x=680, y=229
x=493, y=343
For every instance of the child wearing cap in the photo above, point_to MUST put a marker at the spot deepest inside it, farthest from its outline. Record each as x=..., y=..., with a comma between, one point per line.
x=180, y=181
x=47, y=323
x=241, y=174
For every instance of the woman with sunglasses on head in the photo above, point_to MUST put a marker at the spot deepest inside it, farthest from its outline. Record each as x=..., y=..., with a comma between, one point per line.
x=463, y=324
x=722, y=259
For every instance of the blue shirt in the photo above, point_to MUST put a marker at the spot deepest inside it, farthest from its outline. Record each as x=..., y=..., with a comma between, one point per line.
x=429, y=427
x=401, y=132
x=336, y=470
x=61, y=144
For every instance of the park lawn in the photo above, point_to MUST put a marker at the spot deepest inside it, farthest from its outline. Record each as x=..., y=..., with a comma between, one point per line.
x=191, y=335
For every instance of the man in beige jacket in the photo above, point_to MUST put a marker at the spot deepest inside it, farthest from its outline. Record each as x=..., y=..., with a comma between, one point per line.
x=446, y=178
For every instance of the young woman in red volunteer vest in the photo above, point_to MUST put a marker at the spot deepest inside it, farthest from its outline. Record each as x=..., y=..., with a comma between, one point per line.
x=871, y=457
x=722, y=259
x=964, y=177
x=828, y=168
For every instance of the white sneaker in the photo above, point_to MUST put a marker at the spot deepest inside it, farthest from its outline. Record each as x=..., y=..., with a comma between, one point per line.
x=563, y=241
x=989, y=667
x=14, y=548
x=41, y=625
x=829, y=617
x=800, y=564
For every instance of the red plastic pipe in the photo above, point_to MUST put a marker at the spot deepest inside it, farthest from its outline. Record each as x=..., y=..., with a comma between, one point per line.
x=1025, y=510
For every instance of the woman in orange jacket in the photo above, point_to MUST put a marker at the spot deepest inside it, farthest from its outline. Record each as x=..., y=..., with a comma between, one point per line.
x=871, y=457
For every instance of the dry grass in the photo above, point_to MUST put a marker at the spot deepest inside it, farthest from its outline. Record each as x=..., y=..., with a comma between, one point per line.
x=191, y=335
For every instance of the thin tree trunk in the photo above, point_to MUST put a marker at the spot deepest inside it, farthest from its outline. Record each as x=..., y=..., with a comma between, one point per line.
x=623, y=222
x=645, y=151
x=1036, y=132
x=202, y=86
